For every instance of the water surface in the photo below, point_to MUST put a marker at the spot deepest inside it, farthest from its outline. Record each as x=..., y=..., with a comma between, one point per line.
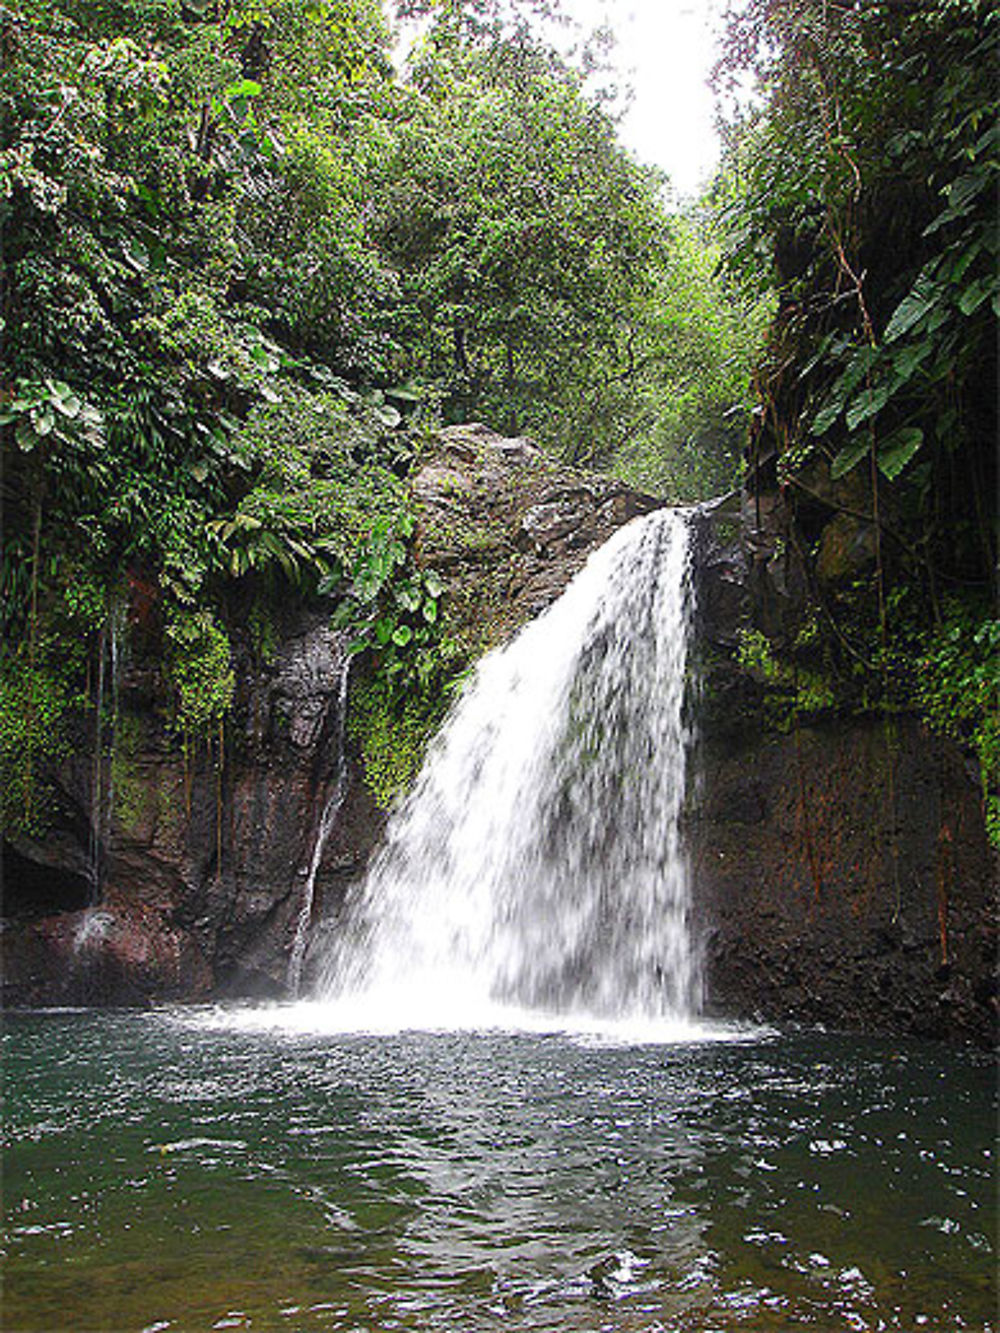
x=191, y=1170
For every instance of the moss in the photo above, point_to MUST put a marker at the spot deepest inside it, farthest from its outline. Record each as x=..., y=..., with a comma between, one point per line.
x=754, y=655
x=461, y=533
x=199, y=667
x=263, y=632
x=129, y=790
x=171, y=818
x=791, y=691
x=393, y=728
x=957, y=693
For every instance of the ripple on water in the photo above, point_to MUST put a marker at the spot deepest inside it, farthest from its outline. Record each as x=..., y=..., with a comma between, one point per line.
x=457, y=1181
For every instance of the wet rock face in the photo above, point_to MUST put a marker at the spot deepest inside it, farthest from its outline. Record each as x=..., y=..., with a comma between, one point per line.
x=841, y=869
x=203, y=870
x=843, y=876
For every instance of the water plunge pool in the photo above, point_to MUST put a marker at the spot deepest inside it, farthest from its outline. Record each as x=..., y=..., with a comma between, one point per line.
x=208, y=1169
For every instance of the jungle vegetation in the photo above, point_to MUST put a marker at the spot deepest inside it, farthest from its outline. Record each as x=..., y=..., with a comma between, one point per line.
x=248, y=262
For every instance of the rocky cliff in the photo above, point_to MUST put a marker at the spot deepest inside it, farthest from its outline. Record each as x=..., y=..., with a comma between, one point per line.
x=841, y=869
x=841, y=866
x=201, y=876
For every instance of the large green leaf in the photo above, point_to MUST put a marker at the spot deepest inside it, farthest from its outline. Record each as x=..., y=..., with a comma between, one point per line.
x=975, y=294
x=849, y=457
x=25, y=436
x=867, y=404
x=924, y=294
x=858, y=367
x=907, y=359
x=895, y=452
x=960, y=195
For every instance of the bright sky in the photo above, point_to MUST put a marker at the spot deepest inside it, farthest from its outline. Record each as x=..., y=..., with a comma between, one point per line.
x=665, y=49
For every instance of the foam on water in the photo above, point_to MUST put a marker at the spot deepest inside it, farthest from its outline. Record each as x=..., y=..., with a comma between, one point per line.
x=538, y=867
x=396, y=1014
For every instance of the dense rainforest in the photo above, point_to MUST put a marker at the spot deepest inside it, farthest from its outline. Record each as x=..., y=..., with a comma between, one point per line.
x=250, y=263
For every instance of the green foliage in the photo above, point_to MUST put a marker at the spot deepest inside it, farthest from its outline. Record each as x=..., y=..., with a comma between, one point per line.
x=322, y=468
x=693, y=394
x=754, y=654
x=393, y=727
x=134, y=150
x=866, y=183
x=957, y=688
x=864, y=186
x=50, y=412
x=262, y=632
x=245, y=266
x=231, y=238
x=933, y=333
x=35, y=703
x=392, y=608
x=794, y=690
x=523, y=236
x=199, y=666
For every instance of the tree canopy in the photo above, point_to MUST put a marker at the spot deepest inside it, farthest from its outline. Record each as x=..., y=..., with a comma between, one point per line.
x=246, y=260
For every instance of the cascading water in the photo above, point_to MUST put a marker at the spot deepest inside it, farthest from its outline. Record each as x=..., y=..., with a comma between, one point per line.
x=538, y=861
x=337, y=791
x=102, y=785
x=97, y=779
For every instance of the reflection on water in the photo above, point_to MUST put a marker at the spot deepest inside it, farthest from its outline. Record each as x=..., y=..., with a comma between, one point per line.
x=197, y=1170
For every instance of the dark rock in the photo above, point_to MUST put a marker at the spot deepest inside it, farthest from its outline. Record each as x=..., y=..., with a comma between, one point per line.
x=203, y=871
x=823, y=888
x=847, y=550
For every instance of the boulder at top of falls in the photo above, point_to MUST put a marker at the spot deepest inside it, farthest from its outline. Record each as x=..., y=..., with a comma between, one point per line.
x=507, y=526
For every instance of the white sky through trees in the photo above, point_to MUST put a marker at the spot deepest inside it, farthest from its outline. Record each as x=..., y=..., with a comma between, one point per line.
x=665, y=50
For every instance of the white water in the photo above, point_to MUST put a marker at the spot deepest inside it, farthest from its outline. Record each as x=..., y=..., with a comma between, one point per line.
x=325, y=826
x=538, y=863
x=96, y=782
x=102, y=784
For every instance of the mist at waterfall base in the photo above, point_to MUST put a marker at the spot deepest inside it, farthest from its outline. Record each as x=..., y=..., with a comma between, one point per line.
x=536, y=875
x=501, y=1110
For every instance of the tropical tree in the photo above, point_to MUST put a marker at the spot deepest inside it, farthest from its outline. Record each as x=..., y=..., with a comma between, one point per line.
x=867, y=187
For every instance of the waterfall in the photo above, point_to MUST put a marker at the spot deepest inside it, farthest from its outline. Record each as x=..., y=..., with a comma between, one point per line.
x=102, y=784
x=116, y=623
x=97, y=779
x=328, y=817
x=538, y=861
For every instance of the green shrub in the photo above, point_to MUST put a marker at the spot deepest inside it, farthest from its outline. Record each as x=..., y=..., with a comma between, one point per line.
x=958, y=694
x=199, y=667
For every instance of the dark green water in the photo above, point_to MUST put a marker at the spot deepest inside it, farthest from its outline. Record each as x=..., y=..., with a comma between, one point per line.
x=173, y=1171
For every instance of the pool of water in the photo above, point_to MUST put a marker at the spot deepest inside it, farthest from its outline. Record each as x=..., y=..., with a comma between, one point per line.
x=207, y=1169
